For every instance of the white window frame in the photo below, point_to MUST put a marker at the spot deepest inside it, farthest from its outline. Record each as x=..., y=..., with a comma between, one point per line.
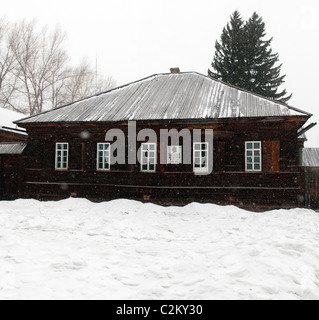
x=106, y=156
x=178, y=159
x=200, y=150
x=146, y=158
x=58, y=153
x=253, y=154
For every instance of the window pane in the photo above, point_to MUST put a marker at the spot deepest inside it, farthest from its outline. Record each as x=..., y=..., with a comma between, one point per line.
x=257, y=166
x=249, y=160
x=152, y=167
x=152, y=147
x=257, y=153
x=249, y=153
x=197, y=146
x=257, y=145
x=257, y=160
x=204, y=146
x=249, y=145
x=249, y=167
x=144, y=167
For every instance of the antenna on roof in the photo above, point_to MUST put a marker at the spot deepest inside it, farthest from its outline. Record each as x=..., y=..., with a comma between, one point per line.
x=96, y=72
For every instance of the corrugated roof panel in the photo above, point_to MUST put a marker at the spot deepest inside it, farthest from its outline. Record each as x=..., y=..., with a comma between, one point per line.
x=168, y=96
x=12, y=148
x=310, y=157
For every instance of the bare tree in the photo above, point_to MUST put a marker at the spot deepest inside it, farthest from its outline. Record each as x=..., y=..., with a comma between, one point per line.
x=40, y=60
x=7, y=65
x=84, y=82
x=34, y=70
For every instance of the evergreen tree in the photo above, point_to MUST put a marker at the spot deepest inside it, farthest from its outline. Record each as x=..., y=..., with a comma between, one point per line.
x=229, y=60
x=256, y=67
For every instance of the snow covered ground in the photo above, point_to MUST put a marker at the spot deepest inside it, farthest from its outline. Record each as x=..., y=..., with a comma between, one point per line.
x=75, y=249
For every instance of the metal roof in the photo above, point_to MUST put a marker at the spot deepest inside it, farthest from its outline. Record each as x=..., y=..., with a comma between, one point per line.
x=179, y=96
x=12, y=148
x=310, y=157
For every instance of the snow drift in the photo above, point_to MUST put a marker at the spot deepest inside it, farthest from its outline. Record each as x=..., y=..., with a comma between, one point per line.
x=75, y=249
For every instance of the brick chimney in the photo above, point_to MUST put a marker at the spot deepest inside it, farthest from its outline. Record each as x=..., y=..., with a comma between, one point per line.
x=175, y=70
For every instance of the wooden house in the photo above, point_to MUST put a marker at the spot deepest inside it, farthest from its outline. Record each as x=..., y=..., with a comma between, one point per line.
x=12, y=144
x=254, y=154
x=310, y=166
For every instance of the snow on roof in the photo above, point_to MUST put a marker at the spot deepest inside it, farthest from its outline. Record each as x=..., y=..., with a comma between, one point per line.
x=7, y=117
x=182, y=96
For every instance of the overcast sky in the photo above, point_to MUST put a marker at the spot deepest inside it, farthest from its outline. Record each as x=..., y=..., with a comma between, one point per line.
x=137, y=38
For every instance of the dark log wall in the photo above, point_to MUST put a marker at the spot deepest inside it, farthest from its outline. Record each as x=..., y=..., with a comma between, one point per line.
x=311, y=187
x=11, y=176
x=7, y=136
x=278, y=185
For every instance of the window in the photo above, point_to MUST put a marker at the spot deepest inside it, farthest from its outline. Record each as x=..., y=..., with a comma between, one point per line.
x=253, y=156
x=148, y=159
x=61, y=156
x=103, y=156
x=200, y=157
x=174, y=155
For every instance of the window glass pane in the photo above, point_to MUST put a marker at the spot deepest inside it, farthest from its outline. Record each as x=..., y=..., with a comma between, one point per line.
x=197, y=146
x=204, y=146
x=152, y=147
x=253, y=156
x=174, y=154
x=152, y=167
